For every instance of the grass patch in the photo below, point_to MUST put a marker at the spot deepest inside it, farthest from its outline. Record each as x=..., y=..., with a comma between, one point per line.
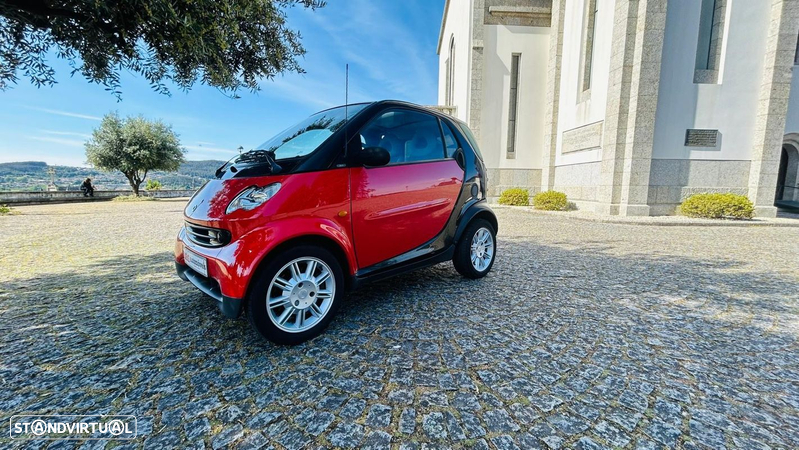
x=5, y=209
x=133, y=198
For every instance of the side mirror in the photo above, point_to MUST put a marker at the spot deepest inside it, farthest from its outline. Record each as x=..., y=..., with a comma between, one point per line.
x=374, y=157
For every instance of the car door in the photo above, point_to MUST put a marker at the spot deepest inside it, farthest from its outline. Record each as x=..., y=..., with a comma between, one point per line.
x=406, y=203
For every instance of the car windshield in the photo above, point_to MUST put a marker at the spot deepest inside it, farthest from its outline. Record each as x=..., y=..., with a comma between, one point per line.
x=306, y=136
x=296, y=141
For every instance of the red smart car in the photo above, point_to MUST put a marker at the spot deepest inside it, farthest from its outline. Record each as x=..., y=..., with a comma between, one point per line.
x=350, y=195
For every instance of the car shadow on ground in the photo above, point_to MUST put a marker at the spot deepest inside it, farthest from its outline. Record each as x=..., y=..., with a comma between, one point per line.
x=125, y=334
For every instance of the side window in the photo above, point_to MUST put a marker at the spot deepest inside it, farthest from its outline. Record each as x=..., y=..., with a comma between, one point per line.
x=409, y=136
x=450, y=141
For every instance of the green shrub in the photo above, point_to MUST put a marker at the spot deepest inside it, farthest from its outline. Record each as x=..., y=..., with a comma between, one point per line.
x=515, y=197
x=5, y=209
x=153, y=185
x=718, y=206
x=132, y=198
x=551, y=201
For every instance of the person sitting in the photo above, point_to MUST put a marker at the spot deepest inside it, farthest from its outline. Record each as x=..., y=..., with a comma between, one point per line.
x=87, y=188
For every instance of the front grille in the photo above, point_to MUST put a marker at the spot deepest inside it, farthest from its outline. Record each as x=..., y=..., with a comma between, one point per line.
x=207, y=236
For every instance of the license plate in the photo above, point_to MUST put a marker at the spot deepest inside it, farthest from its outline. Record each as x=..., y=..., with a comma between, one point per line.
x=196, y=262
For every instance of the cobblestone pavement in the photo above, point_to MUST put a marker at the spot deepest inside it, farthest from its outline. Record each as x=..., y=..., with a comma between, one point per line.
x=585, y=335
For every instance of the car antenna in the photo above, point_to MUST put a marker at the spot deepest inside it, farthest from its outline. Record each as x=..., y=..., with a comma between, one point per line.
x=346, y=107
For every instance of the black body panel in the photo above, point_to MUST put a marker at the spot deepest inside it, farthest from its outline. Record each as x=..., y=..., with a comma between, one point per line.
x=230, y=306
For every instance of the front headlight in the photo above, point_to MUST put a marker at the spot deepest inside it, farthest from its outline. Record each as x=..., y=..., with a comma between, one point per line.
x=252, y=197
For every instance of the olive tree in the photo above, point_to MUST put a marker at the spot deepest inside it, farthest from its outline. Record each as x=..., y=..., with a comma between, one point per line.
x=227, y=44
x=134, y=146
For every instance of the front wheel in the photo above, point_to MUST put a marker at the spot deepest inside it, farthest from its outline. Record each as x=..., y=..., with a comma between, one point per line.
x=296, y=295
x=476, y=249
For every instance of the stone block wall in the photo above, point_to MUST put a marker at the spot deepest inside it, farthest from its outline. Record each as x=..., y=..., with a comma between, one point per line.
x=39, y=197
x=673, y=180
x=579, y=182
x=501, y=179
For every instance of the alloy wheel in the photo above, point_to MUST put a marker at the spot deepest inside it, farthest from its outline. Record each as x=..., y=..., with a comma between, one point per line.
x=301, y=294
x=482, y=249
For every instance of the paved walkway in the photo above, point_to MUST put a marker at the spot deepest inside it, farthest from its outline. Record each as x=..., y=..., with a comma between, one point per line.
x=585, y=335
x=783, y=219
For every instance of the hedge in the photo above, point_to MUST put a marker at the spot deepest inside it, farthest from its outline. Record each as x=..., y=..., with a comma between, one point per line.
x=515, y=197
x=551, y=201
x=718, y=206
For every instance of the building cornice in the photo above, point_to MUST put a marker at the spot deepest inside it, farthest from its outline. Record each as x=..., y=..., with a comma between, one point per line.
x=528, y=12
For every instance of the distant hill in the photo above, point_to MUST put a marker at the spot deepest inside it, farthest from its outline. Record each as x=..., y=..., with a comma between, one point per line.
x=15, y=168
x=33, y=176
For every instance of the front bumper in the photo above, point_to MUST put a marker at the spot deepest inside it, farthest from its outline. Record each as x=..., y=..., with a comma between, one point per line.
x=223, y=283
x=230, y=306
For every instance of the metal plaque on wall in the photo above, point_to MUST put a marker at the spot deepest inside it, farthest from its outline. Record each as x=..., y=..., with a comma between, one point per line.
x=701, y=138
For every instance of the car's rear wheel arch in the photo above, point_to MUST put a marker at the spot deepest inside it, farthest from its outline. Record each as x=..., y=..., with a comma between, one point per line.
x=485, y=214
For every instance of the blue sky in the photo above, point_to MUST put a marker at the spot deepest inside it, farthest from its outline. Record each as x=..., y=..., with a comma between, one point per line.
x=390, y=46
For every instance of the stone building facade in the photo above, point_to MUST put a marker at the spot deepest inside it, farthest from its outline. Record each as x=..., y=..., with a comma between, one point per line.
x=629, y=106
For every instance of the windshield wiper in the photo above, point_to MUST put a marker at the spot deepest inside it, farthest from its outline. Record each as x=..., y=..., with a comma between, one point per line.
x=261, y=156
x=218, y=172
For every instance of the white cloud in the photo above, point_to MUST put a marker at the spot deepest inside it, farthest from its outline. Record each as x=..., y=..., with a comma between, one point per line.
x=306, y=91
x=206, y=149
x=371, y=31
x=59, y=141
x=67, y=133
x=63, y=113
x=201, y=152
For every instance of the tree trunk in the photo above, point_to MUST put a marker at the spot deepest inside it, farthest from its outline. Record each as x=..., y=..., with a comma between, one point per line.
x=134, y=183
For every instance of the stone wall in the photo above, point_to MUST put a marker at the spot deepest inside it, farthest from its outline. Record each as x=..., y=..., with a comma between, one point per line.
x=586, y=137
x=31, y=198
x=628, y=135
x=501, y=179
x=673, y=180
x=553, y=94
x=534, y=13
x=579, y=182
x=775, y=91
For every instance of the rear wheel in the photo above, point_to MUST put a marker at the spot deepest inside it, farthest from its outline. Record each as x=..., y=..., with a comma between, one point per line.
x=296, y=295
x=475, y=252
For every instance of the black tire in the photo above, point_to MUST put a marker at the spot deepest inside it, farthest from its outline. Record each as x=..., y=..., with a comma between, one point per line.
x=256, y=302
x=462, y=260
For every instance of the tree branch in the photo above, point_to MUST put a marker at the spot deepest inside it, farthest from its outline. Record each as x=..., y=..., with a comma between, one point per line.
x=38, y=12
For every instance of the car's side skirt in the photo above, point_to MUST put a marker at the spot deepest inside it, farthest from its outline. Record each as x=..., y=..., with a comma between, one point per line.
x=369, y=276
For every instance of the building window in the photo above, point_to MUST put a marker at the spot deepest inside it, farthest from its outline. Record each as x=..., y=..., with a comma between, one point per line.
x=513, y=101
x=708, y=49
x=447, y=100
x=591, y=10
x=450, y=86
